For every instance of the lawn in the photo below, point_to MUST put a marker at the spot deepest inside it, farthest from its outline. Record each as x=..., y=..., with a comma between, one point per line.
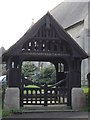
x=33, y=91
x=32, y=86
x=86, y=89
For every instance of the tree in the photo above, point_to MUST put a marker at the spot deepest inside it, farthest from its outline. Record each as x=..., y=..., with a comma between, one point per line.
x=2, y=65
x=28, y=69
x=46, y=75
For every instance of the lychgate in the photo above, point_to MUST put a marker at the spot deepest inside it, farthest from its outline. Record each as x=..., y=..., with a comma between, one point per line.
x=46, y=41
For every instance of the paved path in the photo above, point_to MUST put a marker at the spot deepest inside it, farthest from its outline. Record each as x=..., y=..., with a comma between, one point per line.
x=49, y=116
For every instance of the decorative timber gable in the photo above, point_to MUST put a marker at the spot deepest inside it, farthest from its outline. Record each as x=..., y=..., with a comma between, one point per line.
x=46, y=38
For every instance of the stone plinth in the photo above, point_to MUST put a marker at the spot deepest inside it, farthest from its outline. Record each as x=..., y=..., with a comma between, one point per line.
x=78, y=99
x=12, y=98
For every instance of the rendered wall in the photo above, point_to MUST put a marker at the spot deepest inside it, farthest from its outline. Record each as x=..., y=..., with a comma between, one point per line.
x=81, y=36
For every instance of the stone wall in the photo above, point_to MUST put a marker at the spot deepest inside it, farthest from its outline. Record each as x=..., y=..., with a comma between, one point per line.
x=12, y=99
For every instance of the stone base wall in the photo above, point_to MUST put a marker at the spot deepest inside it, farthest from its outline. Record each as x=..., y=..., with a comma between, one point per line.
x=12, y=98
x=78, y=99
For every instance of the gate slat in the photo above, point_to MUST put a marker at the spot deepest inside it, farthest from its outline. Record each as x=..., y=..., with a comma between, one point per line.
x=46, y=96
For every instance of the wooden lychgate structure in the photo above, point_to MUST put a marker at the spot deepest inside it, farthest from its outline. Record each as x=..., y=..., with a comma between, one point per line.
x=46, y=41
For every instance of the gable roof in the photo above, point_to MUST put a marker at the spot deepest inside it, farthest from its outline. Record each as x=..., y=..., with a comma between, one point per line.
x=70, y=13
x=17, y=47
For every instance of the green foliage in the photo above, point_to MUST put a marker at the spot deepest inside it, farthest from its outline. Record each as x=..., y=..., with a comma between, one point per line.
x=28, y=69
x=85, y=89
x=46, y=75
x=6, y=113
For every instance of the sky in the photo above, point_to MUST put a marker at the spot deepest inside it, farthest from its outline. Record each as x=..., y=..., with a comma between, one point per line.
x=16, y=17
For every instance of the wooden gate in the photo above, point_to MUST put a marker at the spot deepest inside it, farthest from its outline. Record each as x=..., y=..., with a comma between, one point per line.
x=44, y=95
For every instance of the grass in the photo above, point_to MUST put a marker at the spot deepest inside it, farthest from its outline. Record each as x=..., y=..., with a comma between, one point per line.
x=85, y=89
x=32, y=86
x=6, y=113
x=3, y=112
x=29, y=91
